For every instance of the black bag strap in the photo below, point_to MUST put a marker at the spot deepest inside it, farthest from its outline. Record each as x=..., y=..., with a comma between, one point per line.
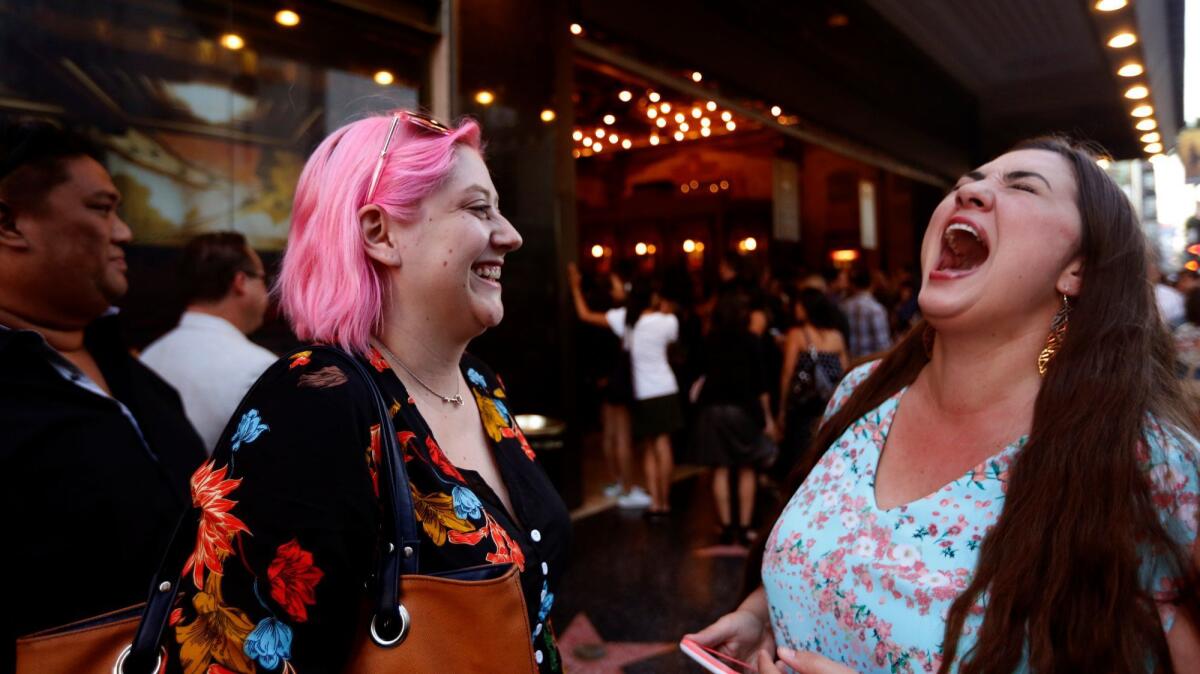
x=398, y=549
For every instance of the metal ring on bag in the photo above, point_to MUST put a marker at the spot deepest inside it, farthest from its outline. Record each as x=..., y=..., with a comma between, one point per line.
x=405, y=622
x=119, y=667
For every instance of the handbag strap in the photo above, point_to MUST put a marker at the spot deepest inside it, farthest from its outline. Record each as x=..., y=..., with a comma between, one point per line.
x=398, y=549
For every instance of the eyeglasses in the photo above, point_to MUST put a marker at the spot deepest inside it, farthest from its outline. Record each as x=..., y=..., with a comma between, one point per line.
x=424, y=122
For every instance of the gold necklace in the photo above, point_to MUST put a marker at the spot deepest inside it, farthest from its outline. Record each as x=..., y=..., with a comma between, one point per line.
x=455, y=399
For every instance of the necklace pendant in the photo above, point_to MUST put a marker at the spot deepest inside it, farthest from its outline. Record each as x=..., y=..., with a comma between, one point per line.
x=456, y=399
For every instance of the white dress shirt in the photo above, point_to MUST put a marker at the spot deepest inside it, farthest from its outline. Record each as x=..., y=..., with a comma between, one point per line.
x=212, y=365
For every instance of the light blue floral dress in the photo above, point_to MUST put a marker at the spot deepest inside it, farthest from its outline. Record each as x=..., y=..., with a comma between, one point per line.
x=871, y=588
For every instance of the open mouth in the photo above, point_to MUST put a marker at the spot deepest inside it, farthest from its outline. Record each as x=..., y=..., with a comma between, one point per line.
x=487, y=272
x=963, y=249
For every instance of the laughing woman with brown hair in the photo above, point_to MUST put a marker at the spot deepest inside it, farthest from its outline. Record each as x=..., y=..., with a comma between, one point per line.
x=1014, y=486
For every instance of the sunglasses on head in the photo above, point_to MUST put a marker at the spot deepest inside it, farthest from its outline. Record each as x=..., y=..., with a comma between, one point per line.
x=420, y=121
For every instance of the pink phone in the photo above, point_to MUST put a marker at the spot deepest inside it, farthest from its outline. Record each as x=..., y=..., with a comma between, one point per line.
x=711, y=660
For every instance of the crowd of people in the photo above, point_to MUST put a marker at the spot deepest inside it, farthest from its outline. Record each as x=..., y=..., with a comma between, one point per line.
x=987, y=467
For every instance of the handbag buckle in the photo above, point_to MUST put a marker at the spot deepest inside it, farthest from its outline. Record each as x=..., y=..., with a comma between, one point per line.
x=119, y=666
x=388, y=642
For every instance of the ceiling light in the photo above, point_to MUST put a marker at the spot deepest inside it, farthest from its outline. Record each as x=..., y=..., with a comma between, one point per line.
x=626, y=143
x=665, y=107
x=232, y=41
x=654, y=140
x=596, y=147
x=286, y=17
x=689, y=246
x=726, y=116
x=660, y=122
x=485, y=97
x=625, y=96
x=1154, y=148
x=684, y=127
x=724, y=184
x=1152, y=137
x=711, y=105
x=548, y=115
x=640, y=248
x=730, y=126
x=587, y=141
x=597, y=251
x=776, y=111
x=610, y=120
x=679, y=118
x=384, y=78
x=706, y=122
x=696, y=112
x=653, y=96
x=576, y=29
x=1146, y=125
x=578, y=135
x=696, y=76
x=599, y=133
x=706, y=132
x=1122, y=40
x=1142, y=111
x=678, y=135
x=1131, y=70
x=1137, y=92
x=613, y=138
x=652, y=112
x=1110, y=5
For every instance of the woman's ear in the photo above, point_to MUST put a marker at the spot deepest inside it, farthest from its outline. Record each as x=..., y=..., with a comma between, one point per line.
x=379, y=239
x=1070, y=282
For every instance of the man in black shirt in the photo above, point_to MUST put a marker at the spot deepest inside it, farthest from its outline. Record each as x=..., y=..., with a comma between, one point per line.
x=95, y=451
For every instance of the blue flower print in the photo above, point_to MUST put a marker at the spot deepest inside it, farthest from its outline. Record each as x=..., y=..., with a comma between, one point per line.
x=269, y=643
x=466, y=503
x=248, y=430
x=502, y=409
x=547, y=602
x=476, y=378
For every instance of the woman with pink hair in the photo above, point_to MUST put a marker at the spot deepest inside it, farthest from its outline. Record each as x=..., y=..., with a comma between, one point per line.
x=395, y=256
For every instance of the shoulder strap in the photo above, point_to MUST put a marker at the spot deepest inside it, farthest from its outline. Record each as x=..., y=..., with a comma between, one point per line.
x=398, y=548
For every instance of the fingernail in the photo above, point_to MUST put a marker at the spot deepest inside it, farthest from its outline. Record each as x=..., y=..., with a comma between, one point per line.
x=787, y=652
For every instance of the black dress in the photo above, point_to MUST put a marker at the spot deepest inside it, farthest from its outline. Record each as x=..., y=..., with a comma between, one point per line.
x=290, y=513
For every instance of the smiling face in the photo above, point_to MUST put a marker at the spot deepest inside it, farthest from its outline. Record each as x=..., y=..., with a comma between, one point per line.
x=74, y=267
x=452, y=259
x=1004, y=243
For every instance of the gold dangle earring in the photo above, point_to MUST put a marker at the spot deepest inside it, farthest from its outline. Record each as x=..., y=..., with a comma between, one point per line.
x=1058, y=332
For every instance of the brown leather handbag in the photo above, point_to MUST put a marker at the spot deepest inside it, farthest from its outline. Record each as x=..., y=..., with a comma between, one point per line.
x=406, y=625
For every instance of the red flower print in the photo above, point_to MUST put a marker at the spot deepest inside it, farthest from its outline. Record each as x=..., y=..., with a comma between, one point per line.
x=439, y=459
x=214, y=668
x=405, y=438
x=294, y=579
x=507, y=549
x=300, y=359
x=176, y=617
x=374, y=458
x=377, y=360
x=217, y=524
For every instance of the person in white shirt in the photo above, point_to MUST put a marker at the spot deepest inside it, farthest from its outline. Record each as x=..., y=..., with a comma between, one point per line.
x=646, y=326
x=207, y=357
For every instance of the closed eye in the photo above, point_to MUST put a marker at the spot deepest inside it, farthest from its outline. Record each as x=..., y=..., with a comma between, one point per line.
x=1024, y=188
x=482, y=210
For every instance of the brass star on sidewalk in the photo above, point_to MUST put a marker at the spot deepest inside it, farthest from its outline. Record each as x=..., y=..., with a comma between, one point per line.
x=585, y=652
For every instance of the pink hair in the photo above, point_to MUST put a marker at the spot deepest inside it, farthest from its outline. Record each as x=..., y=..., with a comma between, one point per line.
x=328, y=288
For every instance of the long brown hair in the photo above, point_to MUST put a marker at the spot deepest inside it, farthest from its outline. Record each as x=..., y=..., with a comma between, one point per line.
x=1060, y=568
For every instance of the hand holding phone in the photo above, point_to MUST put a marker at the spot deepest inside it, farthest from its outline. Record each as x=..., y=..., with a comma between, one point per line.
x=713, y=660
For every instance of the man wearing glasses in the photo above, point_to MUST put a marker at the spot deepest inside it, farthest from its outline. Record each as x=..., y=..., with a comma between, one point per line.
x=95, y=449
x=208, y=358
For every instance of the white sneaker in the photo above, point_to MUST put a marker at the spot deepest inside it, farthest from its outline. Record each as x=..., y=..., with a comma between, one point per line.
x=613, y=490
x=636, y=497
